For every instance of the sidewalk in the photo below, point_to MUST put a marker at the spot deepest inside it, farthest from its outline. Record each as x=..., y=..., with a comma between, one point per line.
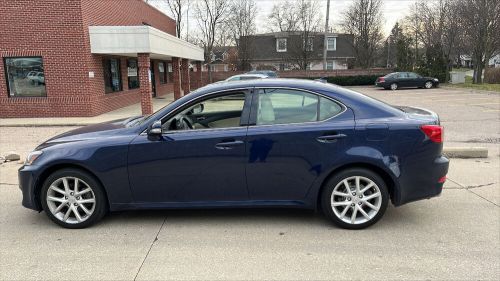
x=125, y=112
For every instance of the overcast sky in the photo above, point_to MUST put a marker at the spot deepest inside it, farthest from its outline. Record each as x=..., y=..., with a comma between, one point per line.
x=393, y=11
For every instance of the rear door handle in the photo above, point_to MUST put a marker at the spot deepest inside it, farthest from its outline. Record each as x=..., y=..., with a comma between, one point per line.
x=330, y=138
x=225, y=145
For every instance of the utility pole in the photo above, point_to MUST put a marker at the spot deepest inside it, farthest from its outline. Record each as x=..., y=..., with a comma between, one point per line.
x=326, y=33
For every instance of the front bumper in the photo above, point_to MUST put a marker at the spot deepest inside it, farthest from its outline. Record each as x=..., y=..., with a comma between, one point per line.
x=28, y=176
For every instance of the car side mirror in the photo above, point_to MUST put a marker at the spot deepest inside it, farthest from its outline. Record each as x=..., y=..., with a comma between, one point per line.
x=155, y=129
x=198, y=108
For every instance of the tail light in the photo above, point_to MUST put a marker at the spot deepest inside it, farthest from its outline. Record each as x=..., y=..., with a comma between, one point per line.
x=442, y=179
x=433, y=132
x=381, y=79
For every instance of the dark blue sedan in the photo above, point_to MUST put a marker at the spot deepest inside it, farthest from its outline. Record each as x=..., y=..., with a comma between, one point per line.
x=259, y=143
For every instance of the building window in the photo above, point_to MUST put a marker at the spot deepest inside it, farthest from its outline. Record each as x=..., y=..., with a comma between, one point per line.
x=25, y=77
x=112, y=75
x=161, y=70
x=170, y=75
x=331, y=43
x=132, y=73
x=329, y=65
x=281, y=45
x=309, y=44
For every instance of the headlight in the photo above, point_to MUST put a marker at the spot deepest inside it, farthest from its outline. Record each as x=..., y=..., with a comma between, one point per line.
x=32, y=157
x=435, y=79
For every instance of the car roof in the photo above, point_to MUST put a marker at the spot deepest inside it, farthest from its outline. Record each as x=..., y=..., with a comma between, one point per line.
x=250, y=75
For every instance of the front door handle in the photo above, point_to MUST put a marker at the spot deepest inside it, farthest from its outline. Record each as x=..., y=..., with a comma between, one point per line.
x=225, y=145
x=330, y=138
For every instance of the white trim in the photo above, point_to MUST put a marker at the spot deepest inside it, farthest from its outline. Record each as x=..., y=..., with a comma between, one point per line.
x=277, y=45
x=131, y=40
x=334, y=43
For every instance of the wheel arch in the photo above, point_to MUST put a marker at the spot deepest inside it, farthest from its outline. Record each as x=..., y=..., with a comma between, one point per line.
x=386, y=177
x=52, y=169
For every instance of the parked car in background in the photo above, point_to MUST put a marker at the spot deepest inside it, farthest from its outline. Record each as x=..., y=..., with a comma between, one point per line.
x=398, y=80
x=269, y=73
x=257, y=143
x=240, y=77
x=36, y=77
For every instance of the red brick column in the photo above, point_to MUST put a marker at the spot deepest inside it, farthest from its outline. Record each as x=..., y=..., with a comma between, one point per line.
x=145, y=85
x=177, y=78
x=198, y=75
x=185, y=76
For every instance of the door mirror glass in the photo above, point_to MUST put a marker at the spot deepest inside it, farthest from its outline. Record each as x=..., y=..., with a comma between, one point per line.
x=155, y=128
x=198, y=108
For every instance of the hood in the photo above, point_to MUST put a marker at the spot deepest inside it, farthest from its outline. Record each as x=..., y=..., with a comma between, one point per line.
x=101, y=130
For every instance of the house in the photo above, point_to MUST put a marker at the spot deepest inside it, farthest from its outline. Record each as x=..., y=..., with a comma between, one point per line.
x=223, y=58
x=86, y=57
x=289, y=50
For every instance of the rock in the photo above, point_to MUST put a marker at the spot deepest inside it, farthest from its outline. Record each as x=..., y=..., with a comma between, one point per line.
x=12, y=156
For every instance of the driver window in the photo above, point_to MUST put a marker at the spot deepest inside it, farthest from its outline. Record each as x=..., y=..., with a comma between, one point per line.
x=213, y=113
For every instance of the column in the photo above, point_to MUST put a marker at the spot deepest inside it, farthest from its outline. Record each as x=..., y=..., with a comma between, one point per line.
x=177, y=78
x=199, y=78
x=145, y=85
x=185, y=76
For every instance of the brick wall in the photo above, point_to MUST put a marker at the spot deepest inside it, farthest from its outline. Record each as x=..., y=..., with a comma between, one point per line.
x=57, y=30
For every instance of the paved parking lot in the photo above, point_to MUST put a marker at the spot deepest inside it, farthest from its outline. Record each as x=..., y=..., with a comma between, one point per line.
x=455, y=236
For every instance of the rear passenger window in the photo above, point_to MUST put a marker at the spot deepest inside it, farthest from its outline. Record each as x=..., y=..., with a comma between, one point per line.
x=328, y=108
x=285, y=106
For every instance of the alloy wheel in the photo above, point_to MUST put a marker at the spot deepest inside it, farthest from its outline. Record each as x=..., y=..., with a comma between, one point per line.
x=428, y=84
x=71, y=200
x=356, y=200
x=394, y=86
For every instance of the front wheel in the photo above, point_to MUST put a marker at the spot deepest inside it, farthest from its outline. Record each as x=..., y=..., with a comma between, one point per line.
x=428, y=85
x=73, y=198
x=355, y=198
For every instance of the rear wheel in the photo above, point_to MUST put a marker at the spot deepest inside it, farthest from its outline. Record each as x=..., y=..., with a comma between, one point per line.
x=73, y=198
x=355, y=198
x=428, y=84
x=394, y=86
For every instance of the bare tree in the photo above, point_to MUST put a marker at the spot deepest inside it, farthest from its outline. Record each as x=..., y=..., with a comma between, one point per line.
x=283, y=17
x=241, y=25
x=363, y=19
x=480, y=20
x=300, y=20
x=178, y=10
x=210, y=14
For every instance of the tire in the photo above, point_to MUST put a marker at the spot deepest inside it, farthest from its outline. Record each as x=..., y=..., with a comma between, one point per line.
x=89, y=202
x=394, y=86
x=428, y=84
x=349, y=205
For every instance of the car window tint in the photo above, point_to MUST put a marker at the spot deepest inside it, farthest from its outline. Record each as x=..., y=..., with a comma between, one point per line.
x=284, y=106
x=402, y=75
x=328, y=108
x=412, y=75
x=213, y=113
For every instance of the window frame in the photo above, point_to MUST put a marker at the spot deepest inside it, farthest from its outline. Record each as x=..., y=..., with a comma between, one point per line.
x=334, y=44
x=277, y=45
x=6, y=75
x=252, y=122
x=162, y=75
x=245, y=113
x=128, y=77
x=119, y=71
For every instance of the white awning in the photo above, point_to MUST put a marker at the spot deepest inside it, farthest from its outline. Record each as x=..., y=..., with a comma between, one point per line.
x=130, y=40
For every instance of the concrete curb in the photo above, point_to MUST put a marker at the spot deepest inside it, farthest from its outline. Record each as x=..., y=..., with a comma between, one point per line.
x=466, y=152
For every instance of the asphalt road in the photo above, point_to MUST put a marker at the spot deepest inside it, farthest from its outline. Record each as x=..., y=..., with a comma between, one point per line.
x=455, y=236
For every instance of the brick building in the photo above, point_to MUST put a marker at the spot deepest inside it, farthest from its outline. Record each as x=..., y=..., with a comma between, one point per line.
x=86, y=57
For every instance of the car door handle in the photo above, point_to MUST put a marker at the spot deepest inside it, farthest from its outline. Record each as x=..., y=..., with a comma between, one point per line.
x=228, y=144
x=330, y=138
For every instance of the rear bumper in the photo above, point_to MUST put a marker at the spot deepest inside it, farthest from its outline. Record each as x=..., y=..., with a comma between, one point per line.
x=423, y=183
x=27, y=183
